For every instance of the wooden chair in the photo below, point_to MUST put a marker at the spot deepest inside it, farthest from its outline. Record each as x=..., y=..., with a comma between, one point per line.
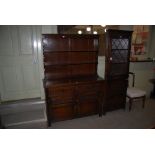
x=135, y=93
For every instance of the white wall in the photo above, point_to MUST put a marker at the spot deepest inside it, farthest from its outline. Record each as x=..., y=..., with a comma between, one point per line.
x=52, y=29
x=101, y=66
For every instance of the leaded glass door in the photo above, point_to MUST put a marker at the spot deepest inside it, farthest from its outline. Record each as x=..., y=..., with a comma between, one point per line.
x=118, y=53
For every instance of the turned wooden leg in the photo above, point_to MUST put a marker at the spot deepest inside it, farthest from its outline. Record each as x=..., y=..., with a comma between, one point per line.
x=130, y=103
x=144, y=98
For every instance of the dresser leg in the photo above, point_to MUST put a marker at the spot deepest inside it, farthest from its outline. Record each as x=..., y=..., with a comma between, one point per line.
x=104, y=112
x=48, y=123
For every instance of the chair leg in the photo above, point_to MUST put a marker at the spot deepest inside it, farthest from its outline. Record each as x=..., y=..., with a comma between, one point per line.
x=144, y=98
x=130, y=104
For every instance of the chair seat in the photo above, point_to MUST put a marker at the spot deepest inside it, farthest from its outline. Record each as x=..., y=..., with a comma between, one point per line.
x=134, y=92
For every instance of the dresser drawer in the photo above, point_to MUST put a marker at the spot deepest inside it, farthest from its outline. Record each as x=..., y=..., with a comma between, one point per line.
x=61, y=92
x=88, y=90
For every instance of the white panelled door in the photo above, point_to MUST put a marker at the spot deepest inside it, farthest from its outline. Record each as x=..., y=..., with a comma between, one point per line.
x=19, y=68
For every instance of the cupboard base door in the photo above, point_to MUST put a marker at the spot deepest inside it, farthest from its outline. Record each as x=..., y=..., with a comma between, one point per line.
x=116, y=102
x=116, y=94
x=62, y=113
x=88, y=107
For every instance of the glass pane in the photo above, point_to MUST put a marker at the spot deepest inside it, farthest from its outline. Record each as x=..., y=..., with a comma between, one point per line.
x=120, y=56
x=120, y=43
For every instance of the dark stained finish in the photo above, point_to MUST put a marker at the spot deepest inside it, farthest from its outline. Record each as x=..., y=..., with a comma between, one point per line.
x=84, y=43
x=55, y=43
x=72, y=86
x=118, y=44
x=116, y=94
x=102, y=45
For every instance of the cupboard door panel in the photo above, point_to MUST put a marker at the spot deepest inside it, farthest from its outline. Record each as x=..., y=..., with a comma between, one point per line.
x=116, y=94
x=117, y=86
x=116, y=102
x=88, y=107
x=118, y=70
x=62, y=113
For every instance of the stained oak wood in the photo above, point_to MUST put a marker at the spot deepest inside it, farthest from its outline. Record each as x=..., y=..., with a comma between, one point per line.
x=84, y=44
x=55, y=43
x=118, y=45
x=62, y=112
x=72, y=86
